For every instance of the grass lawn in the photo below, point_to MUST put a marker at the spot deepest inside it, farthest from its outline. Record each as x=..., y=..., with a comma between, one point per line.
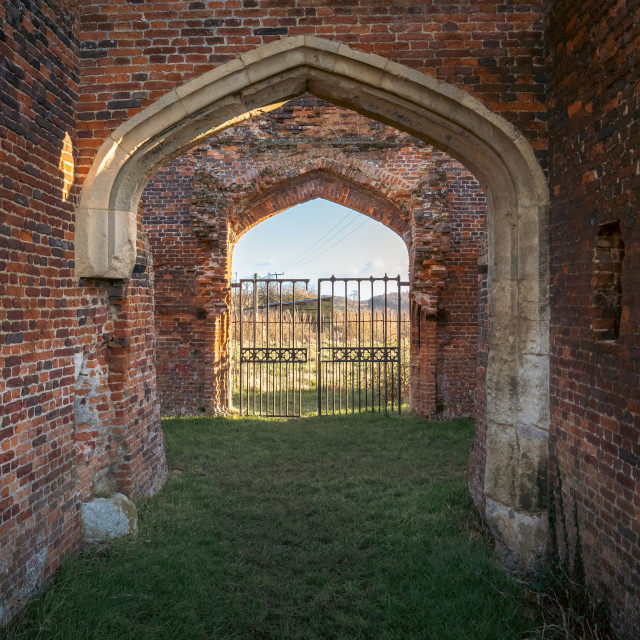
x=333, y=527
x=308, y=401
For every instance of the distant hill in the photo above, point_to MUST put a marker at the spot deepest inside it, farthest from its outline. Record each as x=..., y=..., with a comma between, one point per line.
x=308, y=300
x=392, y=301
x=378, y=302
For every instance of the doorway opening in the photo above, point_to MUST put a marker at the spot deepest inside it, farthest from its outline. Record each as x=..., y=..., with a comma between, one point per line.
x=510, y=457
x=305, y=341
x=341, y=346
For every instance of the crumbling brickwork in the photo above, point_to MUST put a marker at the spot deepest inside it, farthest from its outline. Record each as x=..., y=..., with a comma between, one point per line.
x=76, y=358
x=39, y=71
x=309, y=149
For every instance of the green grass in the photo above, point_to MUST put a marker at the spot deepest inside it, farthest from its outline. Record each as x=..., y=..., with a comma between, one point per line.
x=346, y=527
x=309, y=398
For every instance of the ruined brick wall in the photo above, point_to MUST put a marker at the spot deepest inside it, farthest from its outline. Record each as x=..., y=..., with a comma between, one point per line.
x=39, y=71
x=448, y=217
x=180, y=314
x=61, y=400
x=303, y=150
x=457, y=318
x=134, y=52
x=134, y=431
x=594, y=108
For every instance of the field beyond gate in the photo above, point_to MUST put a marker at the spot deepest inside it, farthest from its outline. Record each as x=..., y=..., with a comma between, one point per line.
x=336, y=527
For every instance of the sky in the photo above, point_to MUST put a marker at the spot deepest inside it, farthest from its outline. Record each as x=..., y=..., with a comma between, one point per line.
x=320, y=239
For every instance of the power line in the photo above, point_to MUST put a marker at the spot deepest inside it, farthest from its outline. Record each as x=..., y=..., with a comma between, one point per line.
x=336, y=244
x=304, y=253
x=309, y=255
x=313, y=244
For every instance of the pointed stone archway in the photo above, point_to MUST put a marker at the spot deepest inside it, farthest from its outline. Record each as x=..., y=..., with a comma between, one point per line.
x=517, y=404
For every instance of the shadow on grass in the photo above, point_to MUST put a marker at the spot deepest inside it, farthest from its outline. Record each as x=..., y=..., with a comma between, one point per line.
x=345, y=527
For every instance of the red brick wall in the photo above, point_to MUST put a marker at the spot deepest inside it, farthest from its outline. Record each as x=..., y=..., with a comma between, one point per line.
x=304, y=150
x=594, y=109
x=135, y=431
x=457, y=317
x=180, y=314
x=65, y=425
x=39, y=70
x=134, y=51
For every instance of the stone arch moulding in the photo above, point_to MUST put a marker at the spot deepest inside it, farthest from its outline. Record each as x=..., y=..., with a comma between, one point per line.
x=453, y=121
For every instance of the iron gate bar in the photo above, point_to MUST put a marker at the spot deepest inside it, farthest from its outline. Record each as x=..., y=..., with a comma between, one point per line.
x=336, y=372
x=359, y=342
x=399, y=339
x=384, y=330
x=372, y=364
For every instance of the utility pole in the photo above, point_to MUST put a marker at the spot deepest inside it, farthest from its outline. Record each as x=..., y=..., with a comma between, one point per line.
x=268, y=283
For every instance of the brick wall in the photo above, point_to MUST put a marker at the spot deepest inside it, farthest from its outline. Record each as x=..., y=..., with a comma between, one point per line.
x=39, y=70
x=594, y=109
x=65, y=425
x=77, y=359
x=135, y=51
x=180, y=313
x=457, y=316
x=199, y=205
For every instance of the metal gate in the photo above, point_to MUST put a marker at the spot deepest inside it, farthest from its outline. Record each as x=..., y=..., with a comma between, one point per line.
x=342, y=348
x=273, y=353
x=360, y=345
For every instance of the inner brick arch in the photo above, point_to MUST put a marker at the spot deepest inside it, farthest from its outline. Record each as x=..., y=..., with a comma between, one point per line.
x=514, y=452
x=193, y=327
x=319, y=183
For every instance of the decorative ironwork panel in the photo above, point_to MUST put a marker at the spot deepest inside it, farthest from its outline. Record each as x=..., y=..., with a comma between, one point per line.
x=275, y=354
x=360, y=354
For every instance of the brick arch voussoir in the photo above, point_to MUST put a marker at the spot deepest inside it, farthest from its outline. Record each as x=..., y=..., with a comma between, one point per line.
x=318, y=183
x=383, y=181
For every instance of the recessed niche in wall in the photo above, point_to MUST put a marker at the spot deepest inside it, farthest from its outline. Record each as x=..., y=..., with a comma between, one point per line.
x=607, y=282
